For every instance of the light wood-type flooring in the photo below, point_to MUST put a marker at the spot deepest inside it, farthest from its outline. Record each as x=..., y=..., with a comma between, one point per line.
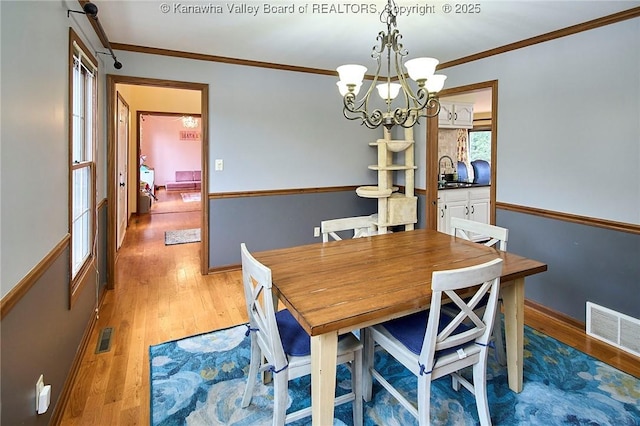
x=160, y=295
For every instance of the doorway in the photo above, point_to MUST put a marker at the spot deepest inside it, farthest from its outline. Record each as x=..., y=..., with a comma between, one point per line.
x=118, y=84
x=169, y=150
x=489, y=122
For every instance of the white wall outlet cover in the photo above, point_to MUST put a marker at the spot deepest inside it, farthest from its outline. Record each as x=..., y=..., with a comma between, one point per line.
x=39, y=388
x=44, y=399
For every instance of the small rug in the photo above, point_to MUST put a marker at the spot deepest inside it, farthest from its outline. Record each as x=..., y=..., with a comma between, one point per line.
x=182, y=236
x=200, y=380
x=190, y=197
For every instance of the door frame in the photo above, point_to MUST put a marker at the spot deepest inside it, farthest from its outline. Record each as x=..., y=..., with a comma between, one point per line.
x=112, y=81
x=431, y=210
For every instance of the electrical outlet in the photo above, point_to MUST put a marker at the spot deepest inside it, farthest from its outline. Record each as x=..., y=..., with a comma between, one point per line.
x=39, y=387
x=316, y=231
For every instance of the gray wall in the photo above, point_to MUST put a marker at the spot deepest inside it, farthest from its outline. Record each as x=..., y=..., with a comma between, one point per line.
x=586, y=263
x=268, y=222
x=41, y=335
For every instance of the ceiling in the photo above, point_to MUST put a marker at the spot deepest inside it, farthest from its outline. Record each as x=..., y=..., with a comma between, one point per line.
x=304, y=35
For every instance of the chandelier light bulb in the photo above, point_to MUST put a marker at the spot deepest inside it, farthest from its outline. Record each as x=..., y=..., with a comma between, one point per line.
x=351, y=74
x=388, y=91
x=421, y=69
x=435, y=83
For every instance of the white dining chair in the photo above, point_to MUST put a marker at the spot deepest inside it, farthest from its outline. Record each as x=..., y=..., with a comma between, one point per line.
x=359, y=226
x=490, y=236
x=282, y=347
x=431, y=344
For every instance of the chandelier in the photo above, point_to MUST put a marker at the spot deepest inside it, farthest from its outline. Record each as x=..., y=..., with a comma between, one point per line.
x=188, y=122
x=406, y=110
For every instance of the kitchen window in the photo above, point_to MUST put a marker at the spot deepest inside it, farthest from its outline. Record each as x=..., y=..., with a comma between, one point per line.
x=480, y=145
x=82, y=137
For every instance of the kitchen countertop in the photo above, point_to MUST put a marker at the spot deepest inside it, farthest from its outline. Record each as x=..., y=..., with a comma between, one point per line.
x=461, y=185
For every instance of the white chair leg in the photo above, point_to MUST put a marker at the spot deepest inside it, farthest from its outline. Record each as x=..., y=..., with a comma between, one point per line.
x=498, y=340
x=280, y=398
x=367, y=363
x=480, y=391
x=254, y=365
x=424, y=400
x=455, y=383
x=356, y=386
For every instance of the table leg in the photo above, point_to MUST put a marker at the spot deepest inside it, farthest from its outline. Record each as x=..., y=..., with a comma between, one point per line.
x=324, y=351
x=513, y=299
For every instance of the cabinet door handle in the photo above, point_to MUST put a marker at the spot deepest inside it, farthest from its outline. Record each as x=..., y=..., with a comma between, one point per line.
x=455, y=116
x=473, y=210
x=449, y=116
x=441, y=213
x=466, y=211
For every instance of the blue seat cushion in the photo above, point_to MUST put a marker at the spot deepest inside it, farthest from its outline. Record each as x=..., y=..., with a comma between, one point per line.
x=295, y=340
x=410, y=330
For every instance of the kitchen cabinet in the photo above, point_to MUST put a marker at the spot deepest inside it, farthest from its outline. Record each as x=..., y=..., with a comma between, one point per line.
x=455, y=115
x=466, y=203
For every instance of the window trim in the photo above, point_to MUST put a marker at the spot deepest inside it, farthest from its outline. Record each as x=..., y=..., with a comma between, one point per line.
x=77, y=282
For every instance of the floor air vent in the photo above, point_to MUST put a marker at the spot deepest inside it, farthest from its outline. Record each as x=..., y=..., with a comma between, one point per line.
x=104, y=341
x=615, y=328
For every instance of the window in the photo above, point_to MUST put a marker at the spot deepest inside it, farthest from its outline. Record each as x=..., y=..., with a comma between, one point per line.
x=82, y=137
x=480, y=145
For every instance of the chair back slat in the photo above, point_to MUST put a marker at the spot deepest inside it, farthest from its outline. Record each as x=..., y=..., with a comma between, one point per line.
x=466, y=327
x=472, y=231
x=361, y=226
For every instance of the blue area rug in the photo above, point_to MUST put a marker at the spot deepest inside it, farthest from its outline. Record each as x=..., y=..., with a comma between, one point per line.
x=200, y=380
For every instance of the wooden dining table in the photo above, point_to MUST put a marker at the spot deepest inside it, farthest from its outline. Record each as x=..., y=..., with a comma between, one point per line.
x=336, y=287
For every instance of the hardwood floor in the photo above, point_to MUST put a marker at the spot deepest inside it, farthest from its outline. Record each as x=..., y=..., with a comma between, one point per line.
x=160, y=295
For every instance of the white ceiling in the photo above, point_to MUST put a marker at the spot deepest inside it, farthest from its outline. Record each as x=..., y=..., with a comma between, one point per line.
x=327, y=40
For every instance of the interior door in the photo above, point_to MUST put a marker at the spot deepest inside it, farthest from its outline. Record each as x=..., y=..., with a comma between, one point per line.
x=122, y=147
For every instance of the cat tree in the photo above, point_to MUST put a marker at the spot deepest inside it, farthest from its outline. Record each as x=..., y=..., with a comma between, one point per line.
x=394, y=208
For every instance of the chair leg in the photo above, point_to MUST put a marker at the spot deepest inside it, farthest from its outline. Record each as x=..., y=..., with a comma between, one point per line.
x=254, y=365
x=498, y=340
x=480, y=391
x=356, y=386
x=455, y=383
x=424, y=400
x=280, y=398
x=367, y=364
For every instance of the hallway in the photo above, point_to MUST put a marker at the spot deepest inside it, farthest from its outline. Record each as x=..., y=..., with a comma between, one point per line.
x=159, y=295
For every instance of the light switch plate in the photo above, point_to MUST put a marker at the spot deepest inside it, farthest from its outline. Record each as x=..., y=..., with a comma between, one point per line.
x=39, y=387
x=219, y=165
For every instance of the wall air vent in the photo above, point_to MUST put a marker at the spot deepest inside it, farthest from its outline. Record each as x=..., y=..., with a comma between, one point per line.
x=615, y=328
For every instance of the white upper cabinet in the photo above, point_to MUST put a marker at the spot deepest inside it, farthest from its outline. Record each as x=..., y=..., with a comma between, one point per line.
x=455, y=116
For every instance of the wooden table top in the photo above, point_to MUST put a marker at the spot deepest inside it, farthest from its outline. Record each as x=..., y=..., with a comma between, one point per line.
x=342, y=285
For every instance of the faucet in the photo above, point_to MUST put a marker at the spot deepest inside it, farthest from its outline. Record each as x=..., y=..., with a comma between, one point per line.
x=440, y=175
